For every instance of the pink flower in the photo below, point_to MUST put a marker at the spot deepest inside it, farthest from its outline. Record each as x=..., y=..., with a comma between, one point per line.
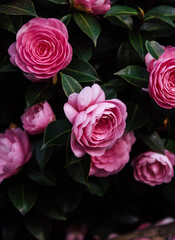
x=144, y=225
x=150, y=61
x=164, y=221
x=114, y=159
x=162, y=80
x=96, y=7
x=41, y=48
x=15, y=151
x=153, y=168
x=97, y=123
x=36, y=118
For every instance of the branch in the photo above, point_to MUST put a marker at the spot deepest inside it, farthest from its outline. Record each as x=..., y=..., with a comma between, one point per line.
x=162, y=232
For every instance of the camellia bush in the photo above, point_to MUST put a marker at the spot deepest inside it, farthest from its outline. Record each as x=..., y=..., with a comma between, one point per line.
x=87, y=118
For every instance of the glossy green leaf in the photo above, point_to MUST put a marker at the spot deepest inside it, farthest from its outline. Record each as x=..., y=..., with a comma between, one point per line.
x=123, y=21
x=121, y=10
x=164, y=19
x=79, y=171
x=42, y=156
x=117, y=83
x=23, y=195
x=89, y=25
x=138, y=43
x=82, y=71
x=6, y=66
x=60, y=2
x=82, y=49
x=45, y=178
x=56, y=134
x=135, y=75
x=137, y=117
x=154, y=142
x=98, y=186
x=165, y=10
x=170, y=145
x=66, y=19
x=38, y=225
x=10, y=23
x=110, y=92
x=18, y=7
x=154, y=48
x=70, y=85
x=38, y=92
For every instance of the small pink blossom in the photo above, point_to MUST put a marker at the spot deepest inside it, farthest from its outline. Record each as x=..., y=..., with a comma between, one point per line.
x=15, y=151
x=36, y=118
x=114, y=159
x=153, y=168
x=96, y=7
x=41, y=49
x=97, y=123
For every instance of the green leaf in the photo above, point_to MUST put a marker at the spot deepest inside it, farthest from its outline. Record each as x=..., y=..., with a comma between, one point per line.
x=70, y=85
x=79, y=171
x=38, y=225
x=10, y=23
x=89, y=25
x=98, y=186
x=117, y=83
x=138, y=43
x=121, y=10
x=154, y=142
x=23, y=195
x=164, y=19
x=123, y=21
x=82, y=49
x=56, y=134
x=137, y=117
x=82, y=71
x=38, y=92
x=6, y=66
x=110, y=92
x=46, y=178
x=66, y=19
x=165, y=10
x=42, y=156
x=60, y=2
x=170, y=145
x=154, y=48
x=18, y=7
x=135, y=75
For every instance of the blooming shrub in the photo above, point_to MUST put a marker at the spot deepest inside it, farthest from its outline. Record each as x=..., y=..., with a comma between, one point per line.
x=87, y=98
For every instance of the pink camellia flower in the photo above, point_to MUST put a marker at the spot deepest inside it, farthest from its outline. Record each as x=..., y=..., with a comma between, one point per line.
x=150, y=61
x=162, y=80
x=41, y=48
x=95, y=7
x=114, y=159
x=36, y=118
x=15, y=151
x=153, y=168
x=97, y=123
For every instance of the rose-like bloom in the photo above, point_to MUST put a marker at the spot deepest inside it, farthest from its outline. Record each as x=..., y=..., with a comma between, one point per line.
x=153, y=168
x=162, y=80
x=41, y=48
x=36, y=118
x=95, y=7
x=97, y=123
x=150, y=61
x=114, y=159
x=15, y=151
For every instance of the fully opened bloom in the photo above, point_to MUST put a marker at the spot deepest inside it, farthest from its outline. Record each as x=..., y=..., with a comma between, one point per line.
x=36, y=118
x=153, y=168
x=114, y=159
x=96, y=7
x=97, y=123
x=41, y=49
x=162, y=80
x=15, y=151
